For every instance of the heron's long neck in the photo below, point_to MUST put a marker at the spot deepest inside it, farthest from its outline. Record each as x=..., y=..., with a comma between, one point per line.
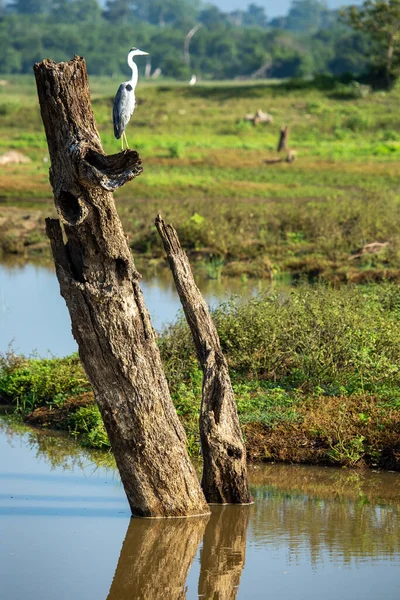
x=134, y=68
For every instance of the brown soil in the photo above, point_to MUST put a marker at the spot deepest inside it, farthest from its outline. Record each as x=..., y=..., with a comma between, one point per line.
x=57, y=417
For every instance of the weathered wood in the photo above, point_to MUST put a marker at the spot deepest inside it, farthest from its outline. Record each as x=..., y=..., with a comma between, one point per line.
x=100, y=284
x=283, y=139
x=155, y=559
x=223, y=553
x=224, y=454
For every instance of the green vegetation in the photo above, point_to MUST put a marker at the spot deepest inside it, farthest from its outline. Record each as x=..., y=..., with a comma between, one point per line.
x=316, y=375
x=381, y=21
x=310, y=39
x=205, y=171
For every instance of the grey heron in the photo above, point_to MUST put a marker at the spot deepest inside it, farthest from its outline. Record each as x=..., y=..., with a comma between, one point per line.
x=124, y=101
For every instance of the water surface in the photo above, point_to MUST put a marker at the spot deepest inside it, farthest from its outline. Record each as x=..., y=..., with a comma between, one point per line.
x=34, y=317
x=312, y=533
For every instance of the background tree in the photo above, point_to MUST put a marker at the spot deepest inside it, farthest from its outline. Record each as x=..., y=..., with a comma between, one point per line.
x=117, y=11
x=29, y=7
x=308, y=41
x=306, y=15
x=255, y=16
x=380, y=19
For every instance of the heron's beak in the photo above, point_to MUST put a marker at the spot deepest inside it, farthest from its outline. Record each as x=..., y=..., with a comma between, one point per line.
x=141, y=53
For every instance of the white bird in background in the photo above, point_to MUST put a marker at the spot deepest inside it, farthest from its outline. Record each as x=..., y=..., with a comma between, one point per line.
x=124, y=101
x=193, y=80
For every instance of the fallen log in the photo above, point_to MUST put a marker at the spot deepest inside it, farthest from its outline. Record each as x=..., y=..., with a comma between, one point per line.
x=224, y=477
x=100, y=284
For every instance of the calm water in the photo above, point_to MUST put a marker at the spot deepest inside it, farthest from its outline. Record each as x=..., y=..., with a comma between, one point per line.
x=33, y=316
x=66, y=532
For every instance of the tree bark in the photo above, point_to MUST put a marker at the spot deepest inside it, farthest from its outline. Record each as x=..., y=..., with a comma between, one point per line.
x=100, y=285
x=223, y=553
x=155, y=559
x=224, y=454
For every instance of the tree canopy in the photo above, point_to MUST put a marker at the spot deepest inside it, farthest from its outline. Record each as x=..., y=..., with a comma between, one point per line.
x=380, y=20
x=309, y=40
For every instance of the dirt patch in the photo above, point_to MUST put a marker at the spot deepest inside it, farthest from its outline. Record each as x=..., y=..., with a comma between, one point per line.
x=22, y=232
x=56, y=417
x=14, y=158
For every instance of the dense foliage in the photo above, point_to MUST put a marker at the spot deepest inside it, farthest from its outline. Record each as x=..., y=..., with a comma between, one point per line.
x=380, y=19
x=310, y=39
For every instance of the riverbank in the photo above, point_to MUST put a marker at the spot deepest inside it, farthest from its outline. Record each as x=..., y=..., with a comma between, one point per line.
x=315, y=371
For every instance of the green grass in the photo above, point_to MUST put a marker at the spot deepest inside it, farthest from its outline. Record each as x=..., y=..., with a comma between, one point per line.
x=201, y=158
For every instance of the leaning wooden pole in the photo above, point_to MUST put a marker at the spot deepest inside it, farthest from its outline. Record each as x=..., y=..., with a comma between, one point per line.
x=224, y=454
x=100, y=284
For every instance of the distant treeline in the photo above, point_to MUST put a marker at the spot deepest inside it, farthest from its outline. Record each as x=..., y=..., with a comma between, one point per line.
x=310, y=39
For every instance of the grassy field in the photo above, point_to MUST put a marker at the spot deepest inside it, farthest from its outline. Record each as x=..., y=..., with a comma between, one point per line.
x=205, y=171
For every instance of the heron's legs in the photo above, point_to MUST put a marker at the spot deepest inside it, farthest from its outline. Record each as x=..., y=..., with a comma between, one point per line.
x=126, y=140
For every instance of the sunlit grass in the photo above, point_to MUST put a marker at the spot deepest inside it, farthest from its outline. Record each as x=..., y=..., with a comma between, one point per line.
x=201, y=157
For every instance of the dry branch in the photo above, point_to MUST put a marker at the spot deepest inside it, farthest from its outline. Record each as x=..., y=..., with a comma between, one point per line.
x=283, y=139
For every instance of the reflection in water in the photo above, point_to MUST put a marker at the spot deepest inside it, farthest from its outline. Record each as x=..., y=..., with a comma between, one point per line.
x=223, y=553
x=155, y=558
x=381, y=487
x=311, y=532
x=57, y=448
x=332, y=530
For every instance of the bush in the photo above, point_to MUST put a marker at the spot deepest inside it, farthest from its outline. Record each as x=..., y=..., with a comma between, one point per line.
x=33, y=382
x=318, y=340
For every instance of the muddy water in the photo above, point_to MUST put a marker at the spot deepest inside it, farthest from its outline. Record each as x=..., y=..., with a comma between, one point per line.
x=312, y=533
x=33, y=316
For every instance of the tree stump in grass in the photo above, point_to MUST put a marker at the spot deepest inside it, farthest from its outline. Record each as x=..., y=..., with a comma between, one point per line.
x=283, y=139
x=100, y=284
x=224, y=454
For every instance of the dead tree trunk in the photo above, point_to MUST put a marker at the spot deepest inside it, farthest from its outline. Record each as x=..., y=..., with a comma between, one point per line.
x=283, y=139
x=100, y=285
x=224, y=454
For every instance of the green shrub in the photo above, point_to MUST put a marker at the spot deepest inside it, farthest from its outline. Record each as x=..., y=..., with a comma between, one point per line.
x=33, y=382
x=87, y=425
x=318, y=340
